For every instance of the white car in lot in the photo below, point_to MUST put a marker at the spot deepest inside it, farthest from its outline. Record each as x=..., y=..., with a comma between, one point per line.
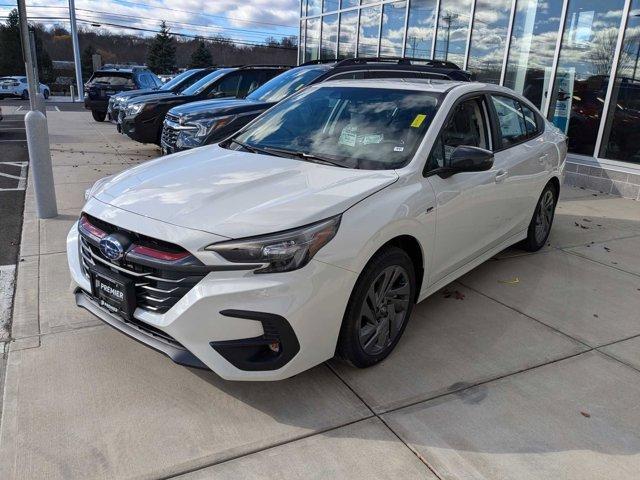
x=315, y=229
x=17, y=87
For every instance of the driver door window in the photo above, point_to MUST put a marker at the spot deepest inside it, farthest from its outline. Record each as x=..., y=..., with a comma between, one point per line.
x=227, y=87
x=467, y=126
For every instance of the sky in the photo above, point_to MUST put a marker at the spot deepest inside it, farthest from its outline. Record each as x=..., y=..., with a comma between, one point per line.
x=248, y=21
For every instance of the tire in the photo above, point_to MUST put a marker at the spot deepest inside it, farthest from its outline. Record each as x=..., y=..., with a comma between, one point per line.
x=25, y=95
x=540, y=225
x=98, y=116
x=45, y=94
x=369, y=330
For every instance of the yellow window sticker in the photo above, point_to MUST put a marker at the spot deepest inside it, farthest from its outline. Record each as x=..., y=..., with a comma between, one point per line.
x=418, y=120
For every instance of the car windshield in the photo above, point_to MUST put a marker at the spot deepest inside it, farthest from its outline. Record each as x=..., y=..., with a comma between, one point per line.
x=179, y=78
x=355, y=127
x=285, y=84
x=204, y=82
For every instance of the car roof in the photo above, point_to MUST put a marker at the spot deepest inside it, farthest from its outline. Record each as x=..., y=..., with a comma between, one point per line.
x=423, y=84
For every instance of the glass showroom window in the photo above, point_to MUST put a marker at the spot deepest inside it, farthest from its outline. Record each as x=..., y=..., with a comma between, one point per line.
x=329, y=36
x=488, y=39
x=303, y=26
x=533, y=44
x=348, y=34
x=314, y=7
x=369, y=30
x=453, y=30
x=330, y=5
x=621, y=139
x=392, y=31
x=420, y=28
x=312, y=48
x=587, y=51
x=349, y=3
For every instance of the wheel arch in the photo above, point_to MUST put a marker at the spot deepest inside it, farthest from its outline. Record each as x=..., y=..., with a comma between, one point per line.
x=412, y=247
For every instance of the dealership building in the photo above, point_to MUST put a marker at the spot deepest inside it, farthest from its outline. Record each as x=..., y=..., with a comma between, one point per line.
x=577, y=60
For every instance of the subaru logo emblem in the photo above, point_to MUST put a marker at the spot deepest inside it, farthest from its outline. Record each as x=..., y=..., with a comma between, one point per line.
x=111, y=248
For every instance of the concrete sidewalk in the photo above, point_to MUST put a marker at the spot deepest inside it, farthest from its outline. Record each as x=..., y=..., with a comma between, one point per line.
x=528, y=367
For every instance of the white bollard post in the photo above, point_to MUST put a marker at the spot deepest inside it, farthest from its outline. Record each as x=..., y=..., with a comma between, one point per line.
x=40, y=164
x=41, y=106
x=73, y=94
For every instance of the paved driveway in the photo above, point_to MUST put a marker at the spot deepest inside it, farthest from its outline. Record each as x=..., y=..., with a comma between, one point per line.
x=527, y=367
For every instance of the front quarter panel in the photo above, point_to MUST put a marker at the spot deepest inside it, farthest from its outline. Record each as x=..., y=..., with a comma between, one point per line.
x=404, y=208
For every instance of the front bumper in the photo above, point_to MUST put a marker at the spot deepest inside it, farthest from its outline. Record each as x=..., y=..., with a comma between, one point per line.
x=143, y=131
x=222, y=321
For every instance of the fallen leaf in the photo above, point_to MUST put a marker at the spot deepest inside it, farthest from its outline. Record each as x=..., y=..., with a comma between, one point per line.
x=459, y=295
x=513, y=281
x=586, y=220
x=596, y=315
x=585, y=414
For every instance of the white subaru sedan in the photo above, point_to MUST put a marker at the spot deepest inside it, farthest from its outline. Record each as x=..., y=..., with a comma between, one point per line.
x=314, y=230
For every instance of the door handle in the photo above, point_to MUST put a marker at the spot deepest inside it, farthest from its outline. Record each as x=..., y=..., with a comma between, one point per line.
x=501, y=175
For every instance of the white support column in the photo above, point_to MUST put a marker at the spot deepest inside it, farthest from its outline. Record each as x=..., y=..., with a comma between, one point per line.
x=507, y=43
x=612, y=77
x=406, y=27
x=435, y=30
x=76, y=49
x=556, y=58
x=465, y=64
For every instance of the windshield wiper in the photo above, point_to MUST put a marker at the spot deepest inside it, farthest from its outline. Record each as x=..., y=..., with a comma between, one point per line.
x=251, y=148
x=306, y=156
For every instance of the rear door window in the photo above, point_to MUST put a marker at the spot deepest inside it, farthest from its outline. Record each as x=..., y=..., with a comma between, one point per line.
x=113, y=79
x=531, y=121
x=511, y=121
x=250, y=80
x=228, y=86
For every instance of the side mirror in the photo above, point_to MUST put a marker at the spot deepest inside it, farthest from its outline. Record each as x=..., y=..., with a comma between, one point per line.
x=468, y=159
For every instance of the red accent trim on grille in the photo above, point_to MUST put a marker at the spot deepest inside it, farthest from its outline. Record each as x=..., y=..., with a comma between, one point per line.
x=159, y=254
x=91, y=229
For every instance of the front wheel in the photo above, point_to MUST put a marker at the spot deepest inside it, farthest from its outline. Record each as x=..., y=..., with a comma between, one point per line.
x=378, y=309
x=46, y=94
x=540, y=225
x=25, y=95
x=98, y=116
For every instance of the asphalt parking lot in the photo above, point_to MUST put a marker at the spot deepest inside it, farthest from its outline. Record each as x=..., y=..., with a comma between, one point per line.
x=525, y=368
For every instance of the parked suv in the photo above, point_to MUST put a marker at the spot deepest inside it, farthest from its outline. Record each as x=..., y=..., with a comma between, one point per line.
x=18, y=87
x=111, y=80
x=144, y=117
x=209, y=121
x=178, y=83
x=315, y=229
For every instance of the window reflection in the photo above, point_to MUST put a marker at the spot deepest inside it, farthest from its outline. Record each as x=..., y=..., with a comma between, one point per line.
x=420, y=28
x=453, y=28
x=330, y=5
x=533, y=43
x=303, y=26
x=488, y=39
x=312, y=45
x=314, y=7
x=580, y=86
x=347, y=40
x=621, y=139
x=349, y=3
x=329, y=36
x=369, y=27
x=392, y=29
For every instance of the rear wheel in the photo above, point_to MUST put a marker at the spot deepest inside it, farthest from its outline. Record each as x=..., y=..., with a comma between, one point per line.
x=540, y=225
x=378, y=309
x=46, y=94
x=98, y=116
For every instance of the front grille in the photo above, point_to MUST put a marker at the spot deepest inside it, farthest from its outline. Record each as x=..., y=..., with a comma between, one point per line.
x=169, y=136
x=158, y=284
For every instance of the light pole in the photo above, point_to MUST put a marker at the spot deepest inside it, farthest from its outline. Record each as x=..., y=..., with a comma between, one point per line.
x=76, y=48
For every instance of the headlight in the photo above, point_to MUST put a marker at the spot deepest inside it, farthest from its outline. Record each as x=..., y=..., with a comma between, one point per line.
x=280, y=252
x=135, y=109
x=208, y=125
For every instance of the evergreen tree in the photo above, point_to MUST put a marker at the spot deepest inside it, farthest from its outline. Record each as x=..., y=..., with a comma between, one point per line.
x=201, y=56
x=162, y=52
x=11, y=61
x=86, y=60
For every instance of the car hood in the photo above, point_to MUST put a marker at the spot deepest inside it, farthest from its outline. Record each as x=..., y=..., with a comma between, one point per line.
x=214, y=108
x=137, y=93
x=160, y=97
x=238, y=194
